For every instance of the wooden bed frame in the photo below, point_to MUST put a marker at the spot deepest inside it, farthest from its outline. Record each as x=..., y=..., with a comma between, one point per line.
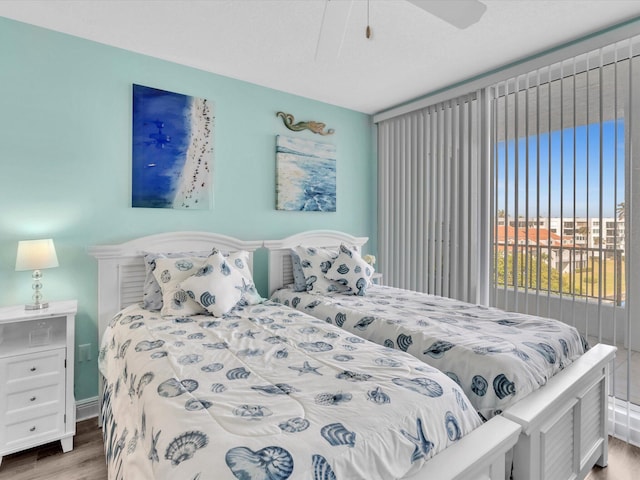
x=482, y=454
x=564, y=423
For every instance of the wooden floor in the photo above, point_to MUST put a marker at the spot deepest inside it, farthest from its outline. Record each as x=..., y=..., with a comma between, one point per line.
x=624, y=463
x=86, y=460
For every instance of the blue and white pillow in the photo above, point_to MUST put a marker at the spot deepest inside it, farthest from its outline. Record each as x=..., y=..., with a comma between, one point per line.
x=240, y=261
x=351, y=270
x=299, y=282
x=169, y=273
x=315, y=263
x=221, y=283
x=151, y=291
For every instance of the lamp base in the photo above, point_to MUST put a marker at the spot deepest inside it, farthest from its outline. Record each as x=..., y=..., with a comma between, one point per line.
x=37, y=306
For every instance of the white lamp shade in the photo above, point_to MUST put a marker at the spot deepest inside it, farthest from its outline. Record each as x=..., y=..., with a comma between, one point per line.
x=36, y=255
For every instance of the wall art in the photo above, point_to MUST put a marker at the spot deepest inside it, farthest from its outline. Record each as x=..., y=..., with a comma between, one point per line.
x=306, y=175
x=311, y=125
x=172, y=151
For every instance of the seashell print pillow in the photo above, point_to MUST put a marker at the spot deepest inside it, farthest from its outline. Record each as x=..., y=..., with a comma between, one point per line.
x=240, y=261
x=169, y=272
x=220, y=284
x=299, y=282
x=315, y=263
x=351, y=270
x=151, y=291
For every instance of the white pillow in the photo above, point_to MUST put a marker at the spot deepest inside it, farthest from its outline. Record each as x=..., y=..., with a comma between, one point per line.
x=350, y=269
x=315, y=263
x=151, y=291
x=240, y=260
x=221, y=283
x=169, y=273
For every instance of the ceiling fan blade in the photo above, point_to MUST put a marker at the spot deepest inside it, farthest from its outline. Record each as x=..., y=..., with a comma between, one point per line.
x=332, y=29
x=459, y=13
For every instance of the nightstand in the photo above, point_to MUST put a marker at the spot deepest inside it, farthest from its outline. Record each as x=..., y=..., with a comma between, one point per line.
x=377, y=278
x=37, y=405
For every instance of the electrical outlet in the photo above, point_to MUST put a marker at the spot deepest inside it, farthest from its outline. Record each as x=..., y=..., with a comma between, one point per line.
x=84, y=352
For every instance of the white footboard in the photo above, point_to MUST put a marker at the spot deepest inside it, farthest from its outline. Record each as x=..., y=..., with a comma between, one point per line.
x=564, y=424
x=479, y=455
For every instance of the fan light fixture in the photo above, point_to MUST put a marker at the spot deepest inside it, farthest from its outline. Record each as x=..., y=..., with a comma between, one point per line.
x=36, y=255
x=459, y=13
x=335, y=18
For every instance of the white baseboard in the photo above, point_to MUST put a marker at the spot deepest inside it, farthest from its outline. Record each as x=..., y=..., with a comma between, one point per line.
x=623, y=426
x=87, y=408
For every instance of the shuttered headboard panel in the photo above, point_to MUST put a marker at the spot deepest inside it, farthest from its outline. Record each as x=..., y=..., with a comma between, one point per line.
x=121, y=270
x=280, y=268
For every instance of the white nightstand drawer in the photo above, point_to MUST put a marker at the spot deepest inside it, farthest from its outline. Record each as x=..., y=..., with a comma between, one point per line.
x=21, y=367
x=33, y=428
x=34, y=398
x=36, y=376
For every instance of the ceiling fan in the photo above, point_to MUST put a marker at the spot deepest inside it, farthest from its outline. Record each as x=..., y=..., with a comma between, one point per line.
x=459, y=13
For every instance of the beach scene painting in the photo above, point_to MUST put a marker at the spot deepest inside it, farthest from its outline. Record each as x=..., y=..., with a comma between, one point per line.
x=172, y=151
x=306, y=175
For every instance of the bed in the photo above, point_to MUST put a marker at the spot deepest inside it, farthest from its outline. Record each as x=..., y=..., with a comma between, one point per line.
x=531, y=370
x=267, y=392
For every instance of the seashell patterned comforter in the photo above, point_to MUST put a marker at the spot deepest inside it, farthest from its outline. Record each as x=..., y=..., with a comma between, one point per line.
x=497, y=357
x=267, y=392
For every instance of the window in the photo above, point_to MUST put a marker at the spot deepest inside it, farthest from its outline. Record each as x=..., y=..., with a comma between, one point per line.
x=562, y=170
x=522, y=195
x=559, y=160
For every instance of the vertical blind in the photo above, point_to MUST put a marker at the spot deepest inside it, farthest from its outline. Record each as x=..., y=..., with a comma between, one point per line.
x=563, y=166
x=523, y=195
x=429, y=164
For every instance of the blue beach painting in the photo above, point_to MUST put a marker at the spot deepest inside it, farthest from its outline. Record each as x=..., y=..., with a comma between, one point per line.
x=306, y=175
x=172, y=152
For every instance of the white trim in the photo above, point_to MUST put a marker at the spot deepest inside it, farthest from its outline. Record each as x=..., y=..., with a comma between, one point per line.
x=614, y=33
x=87, y=408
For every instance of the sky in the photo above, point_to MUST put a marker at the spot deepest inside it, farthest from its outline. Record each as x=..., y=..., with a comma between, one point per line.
x=580, y=146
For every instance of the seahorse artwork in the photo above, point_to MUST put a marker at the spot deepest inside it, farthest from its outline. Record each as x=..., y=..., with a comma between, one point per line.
x=315, y=127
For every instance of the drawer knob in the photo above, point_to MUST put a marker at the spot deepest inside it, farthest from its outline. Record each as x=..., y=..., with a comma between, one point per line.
x=32, y=399
x=33, y=369
x=32, y=429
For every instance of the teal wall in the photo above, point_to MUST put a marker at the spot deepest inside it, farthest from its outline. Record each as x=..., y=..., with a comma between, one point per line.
x=65, y=158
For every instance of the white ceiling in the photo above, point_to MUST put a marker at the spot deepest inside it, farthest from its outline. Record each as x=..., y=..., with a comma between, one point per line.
x=273, y=42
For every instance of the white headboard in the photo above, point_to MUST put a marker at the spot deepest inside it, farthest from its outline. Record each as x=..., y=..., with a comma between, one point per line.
x=121, y=270
x=280, y=268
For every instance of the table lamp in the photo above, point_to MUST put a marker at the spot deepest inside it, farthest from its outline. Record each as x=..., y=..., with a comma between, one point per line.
x=36, y=255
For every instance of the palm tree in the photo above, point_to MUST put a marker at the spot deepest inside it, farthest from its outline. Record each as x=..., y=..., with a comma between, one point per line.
x=620, y=211
x=584, y=230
